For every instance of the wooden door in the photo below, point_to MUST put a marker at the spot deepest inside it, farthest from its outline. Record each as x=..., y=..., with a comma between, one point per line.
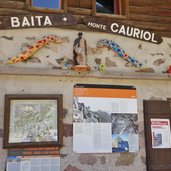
x=157, y=159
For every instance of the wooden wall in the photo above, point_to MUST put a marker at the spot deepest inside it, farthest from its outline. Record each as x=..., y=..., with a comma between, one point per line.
x=154, y=15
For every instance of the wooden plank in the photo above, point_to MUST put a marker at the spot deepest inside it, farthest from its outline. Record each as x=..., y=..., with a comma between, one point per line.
x=12, y=4
x=121, y=29
x=109, y=16
x=7, y=70
x=79, y=11
x=149, y=25
x=37, y=20
x=86, y=4
x=164, y=6
x=157, y=159
x=165, y=34
x=149, y=18
x=73, y=3
x=151, y=11
x=6, y=11
x=149, y=2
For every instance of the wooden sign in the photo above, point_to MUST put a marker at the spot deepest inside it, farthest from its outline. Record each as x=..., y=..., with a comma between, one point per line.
x=38, y=20
x=123, y=30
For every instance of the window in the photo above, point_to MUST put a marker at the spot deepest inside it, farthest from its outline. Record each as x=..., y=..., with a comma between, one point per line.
x=48, y=5
x=51, y=4
x=111, y=7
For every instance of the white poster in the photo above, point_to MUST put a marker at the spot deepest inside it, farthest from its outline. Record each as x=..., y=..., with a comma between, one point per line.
x=160, y=132
x=92, y=138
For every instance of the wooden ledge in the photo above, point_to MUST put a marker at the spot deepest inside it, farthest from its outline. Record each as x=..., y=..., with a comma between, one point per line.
x=10, y=70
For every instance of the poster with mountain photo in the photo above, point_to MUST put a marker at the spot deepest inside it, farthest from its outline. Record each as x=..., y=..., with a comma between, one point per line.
x=105, y=118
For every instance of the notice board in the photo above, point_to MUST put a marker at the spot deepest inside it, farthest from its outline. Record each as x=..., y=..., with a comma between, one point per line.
x=105, y=118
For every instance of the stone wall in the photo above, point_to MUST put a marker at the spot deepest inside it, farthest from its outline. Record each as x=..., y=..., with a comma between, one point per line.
x=156, y=58
x=71, y=161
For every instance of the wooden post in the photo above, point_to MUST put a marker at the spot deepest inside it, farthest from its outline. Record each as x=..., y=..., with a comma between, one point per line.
x=65, y=6
x=93, y=7
x=127, y=9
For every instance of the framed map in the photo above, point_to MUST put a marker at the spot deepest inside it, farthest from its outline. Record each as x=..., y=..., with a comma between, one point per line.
x=32, y=121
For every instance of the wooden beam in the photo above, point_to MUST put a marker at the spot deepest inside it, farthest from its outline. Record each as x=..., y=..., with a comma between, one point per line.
x=7, y=11
x=109, y=16
x=165, y=34
x=149, y=2
x=12, y=4
x=149, y=25
x=86, y=4
x=73, y=3
x=149, y=18
x=7, y=70
x=154, y=11
x=36, y=21
x=79, y=11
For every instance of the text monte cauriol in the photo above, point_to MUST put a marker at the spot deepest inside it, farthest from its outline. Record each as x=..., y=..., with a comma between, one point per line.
x=124, y=30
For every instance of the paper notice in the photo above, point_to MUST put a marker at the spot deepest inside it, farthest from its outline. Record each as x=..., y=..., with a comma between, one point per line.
x=160, y=133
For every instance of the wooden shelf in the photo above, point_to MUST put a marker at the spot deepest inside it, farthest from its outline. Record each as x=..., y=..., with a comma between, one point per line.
x=10, y=70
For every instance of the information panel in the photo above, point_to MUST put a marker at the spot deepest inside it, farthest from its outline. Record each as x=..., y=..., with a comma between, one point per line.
x=105, y=118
